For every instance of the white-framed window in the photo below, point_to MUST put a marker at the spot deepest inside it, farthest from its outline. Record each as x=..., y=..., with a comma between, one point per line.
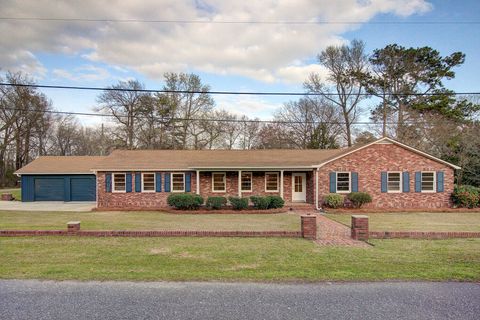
x=271, y=181
x=343, y=182
x=219, y=182
x=119, y=183
x=428, y=181
x=148, y=182
x=178, y=182
x=394, y=181
x=246, y=182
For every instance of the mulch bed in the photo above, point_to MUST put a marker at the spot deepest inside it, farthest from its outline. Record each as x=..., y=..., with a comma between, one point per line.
x=199, y=211
x=355, y=211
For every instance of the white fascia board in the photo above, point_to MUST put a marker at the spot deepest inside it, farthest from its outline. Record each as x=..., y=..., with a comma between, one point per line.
x=50, y=173
x=137, y=169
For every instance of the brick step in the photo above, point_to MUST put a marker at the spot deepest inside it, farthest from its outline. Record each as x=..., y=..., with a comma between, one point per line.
x=300, y=206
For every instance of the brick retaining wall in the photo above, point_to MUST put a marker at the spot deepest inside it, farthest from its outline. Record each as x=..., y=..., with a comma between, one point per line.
x=422, y=235
x=151, y=233
x=308, y=230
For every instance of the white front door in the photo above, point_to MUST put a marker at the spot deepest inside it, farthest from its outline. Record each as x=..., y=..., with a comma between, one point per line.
x=299, y=187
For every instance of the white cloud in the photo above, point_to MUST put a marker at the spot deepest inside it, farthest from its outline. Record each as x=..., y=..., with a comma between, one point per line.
x=261, y=51
x=247, y=105
x=20, y=60
x=86, y=73
x=298, y=74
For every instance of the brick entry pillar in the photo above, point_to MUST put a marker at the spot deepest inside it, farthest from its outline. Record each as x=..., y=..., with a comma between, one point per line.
x=73, y=227
x=309, y=226
x=360, y=227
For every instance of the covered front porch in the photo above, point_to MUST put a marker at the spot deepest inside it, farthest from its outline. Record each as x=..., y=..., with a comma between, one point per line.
x=294, y=185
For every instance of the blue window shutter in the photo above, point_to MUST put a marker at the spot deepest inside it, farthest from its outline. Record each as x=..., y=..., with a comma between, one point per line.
x=440, y=183
x=384, y=181
x=158, y=182
x=138, y=182
x=108, y=182
x=418, y=182
x=167, y=182
x=187, y=182
x=354, y=176
x=128, y=182
x=406, y=181
x=333, y=182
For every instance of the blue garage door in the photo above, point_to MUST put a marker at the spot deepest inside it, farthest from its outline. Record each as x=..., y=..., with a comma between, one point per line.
x=49, y=189
x=75, y=187
x=82, y=188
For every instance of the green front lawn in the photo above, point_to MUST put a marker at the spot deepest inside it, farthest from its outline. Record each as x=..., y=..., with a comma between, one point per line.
x=417, y=221
x=141, y=220
x=235, y=259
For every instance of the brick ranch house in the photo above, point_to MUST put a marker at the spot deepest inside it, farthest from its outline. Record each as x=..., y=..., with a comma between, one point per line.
x=394, y=174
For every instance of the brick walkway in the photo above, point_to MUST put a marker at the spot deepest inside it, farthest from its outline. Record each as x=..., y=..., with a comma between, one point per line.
x=332, y=233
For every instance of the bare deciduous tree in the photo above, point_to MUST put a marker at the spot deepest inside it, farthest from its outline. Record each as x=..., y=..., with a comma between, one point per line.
x=341, y=87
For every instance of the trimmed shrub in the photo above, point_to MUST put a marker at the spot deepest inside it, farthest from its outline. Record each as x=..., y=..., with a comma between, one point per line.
x=238, y=203
x=275, y=202
x=259, y=202
x=465, y=196
x=185, y=201
x=216, y=202
x=358, y=199
x=333, y=200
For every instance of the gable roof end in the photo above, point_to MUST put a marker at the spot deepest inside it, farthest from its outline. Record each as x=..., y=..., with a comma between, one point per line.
x=424, y=154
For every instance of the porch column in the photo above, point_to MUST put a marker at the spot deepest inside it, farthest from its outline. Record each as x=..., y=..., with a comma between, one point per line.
x=198, y=181
x=239, y=183
x=281, y=183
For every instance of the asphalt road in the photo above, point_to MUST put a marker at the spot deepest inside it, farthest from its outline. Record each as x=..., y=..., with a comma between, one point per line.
x=164, y=300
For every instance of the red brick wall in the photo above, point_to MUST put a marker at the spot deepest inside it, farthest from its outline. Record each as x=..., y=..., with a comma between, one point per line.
x=371, y=161
x=134, y=199
x=159, y=199
x=258, y=185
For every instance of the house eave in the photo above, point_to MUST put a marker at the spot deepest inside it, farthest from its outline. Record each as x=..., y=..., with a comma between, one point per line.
x=254, y=168
x=48, y=173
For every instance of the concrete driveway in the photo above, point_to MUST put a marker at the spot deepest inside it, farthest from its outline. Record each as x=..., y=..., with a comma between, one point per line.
x=46, y=206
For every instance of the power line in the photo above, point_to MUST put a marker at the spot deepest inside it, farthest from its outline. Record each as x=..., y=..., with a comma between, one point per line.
x=253, y=93
x=266, y=22
x=173, y=119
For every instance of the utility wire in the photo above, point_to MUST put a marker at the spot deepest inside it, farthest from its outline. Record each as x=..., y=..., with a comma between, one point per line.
x=253, y=93
x=167, y=119
x=267, y=22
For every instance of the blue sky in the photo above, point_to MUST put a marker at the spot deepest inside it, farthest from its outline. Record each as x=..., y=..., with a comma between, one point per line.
x=227, y=57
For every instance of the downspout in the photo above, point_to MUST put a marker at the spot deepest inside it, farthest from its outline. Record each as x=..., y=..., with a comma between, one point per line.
x=316, y=189
x=96, y=188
